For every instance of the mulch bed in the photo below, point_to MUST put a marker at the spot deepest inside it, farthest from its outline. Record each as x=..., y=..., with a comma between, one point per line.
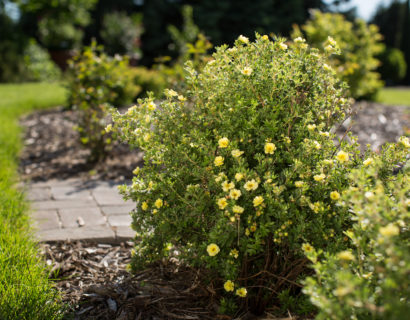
x=93, y=278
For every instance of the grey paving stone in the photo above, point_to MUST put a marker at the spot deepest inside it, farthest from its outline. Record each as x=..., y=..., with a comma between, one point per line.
x=119, y=209
x=120, y=220
x=108, y=196
x=62, y=204
x=91, y=216
x=94, y=233
x=124, y=233
x=70, y=192
x=38, y=194
x=46, y=219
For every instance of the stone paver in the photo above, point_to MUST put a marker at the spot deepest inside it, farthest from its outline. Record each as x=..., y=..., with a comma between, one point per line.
x=80, y=210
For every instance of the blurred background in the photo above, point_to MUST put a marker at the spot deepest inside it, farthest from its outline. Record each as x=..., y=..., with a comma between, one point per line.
x=38, y=37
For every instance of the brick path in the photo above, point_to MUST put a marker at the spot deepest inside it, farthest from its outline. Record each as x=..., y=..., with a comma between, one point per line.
x=76, y=209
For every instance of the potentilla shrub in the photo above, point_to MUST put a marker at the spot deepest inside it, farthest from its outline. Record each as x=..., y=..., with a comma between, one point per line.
x=360, y=44
x=98, y=81
x=370, y=280
x=241, y=170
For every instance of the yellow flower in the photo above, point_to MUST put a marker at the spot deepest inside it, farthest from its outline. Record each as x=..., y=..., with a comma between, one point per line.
x=220, y=176
x=324, y=133
x=270, y=148
x=328, y=162
x=311, y=127
x=251, y=185
x=212, y=249
x=136, y=171
x=237, y=209
x=342, y=156
x=219, y=161
x=257, y=201
x=222, y=203
x=229, y=286
x=172, y=93
x=144, y=206
x=319, y=177
x=318, y=146
x=146, y=137
x=235, y=194
x=152, y=106
x=226, y=186
x=299, y=184
x=331, y=41
x=368, y=162
x=108, y=128
x=334, y=195
x=307, y=247
x=223, y=142
x=265, y=37
x=327, y=67
x=405, y=142
x=287, y=140
x=247, y=233
x=234, y=253
x=389, y=230
x=237, y=153
x=155, y=211
x=242, y=292
x=342, y=291
x=253, y=228
x=243, y=39
x=238, y=176
x=283, y=46
x=158, y=203
x=181, y=98
x=299, y=40
x=247, y=71
x=345, y=255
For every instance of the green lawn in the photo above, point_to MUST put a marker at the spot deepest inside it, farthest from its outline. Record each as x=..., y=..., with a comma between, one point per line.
x=395, y=96
x=25, y=291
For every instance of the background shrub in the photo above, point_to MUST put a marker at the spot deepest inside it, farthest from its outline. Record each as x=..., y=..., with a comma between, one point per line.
x=149, y=80
x=393, y=65
x=359, y=44
x=241, y=170
x=370, y=280
x=98, y=81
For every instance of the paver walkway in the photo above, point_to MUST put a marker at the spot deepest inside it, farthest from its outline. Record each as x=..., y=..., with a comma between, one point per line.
x=80, y=210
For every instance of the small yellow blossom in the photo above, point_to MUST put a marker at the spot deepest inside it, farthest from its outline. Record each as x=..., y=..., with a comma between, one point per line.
x=342, y=156
x=287, y=140
x=243, y=39
x=319, y=177
x=223, y=142
x=237, y=209
x=265, y=37
x=324, y=133
x=346, y=255
x=147, y=137
x=270, y=148
x=405, y=142
x=342, y=291
x=235, y=194
x=181, y=98
x=253, y=227
x=283, y=46
x=247, y=232
x=368, y=162
x=299, y=184
x=237, y=153
x=331, y=41
x=222, y=203
x=219, y=161
x=212, y=249
x=108, y=128
x=247, y=71
x=368, y=195
x=328, y=162
x=155, y=211
x=238, y=176
x=172, y=93
x=389, y=230
x=226, y=186
x=311, y=127
x=242, y=292
x=251, y=185
x=136, y=171
x=232, y=219
x=334, y=195
x=299, y=40
x=144, y=206
x=234, y=253
x=307, y=247
x=229, y=286
x=158, y=203
x=219, y=177
x=257, y=201
x=327, y=67
x=317, y=145
x=152, y=106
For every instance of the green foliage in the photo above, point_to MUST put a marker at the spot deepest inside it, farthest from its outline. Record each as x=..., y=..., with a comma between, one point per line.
x=369, y=281
x=98, y=81
x=25, y=291
x=393, y=65
x=242, y=170
x=359, y=44
x=394, y=96
x=38, y=64
x=120, y=33
x=149, y=80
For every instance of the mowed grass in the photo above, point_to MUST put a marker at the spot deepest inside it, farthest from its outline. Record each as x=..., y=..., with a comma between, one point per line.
x=25, y=291
x=395, y=96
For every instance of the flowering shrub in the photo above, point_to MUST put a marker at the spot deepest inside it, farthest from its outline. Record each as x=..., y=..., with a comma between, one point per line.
x=98, y=81
x=370, y=280
x=241, y=170
x=359, y=44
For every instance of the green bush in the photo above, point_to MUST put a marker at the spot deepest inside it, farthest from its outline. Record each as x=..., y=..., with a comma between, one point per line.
x=359, y=44
x=393, y=65
x=39, y=66
x=241, y=170
x=98, y=81
x=370, y=280
x=149, y=80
